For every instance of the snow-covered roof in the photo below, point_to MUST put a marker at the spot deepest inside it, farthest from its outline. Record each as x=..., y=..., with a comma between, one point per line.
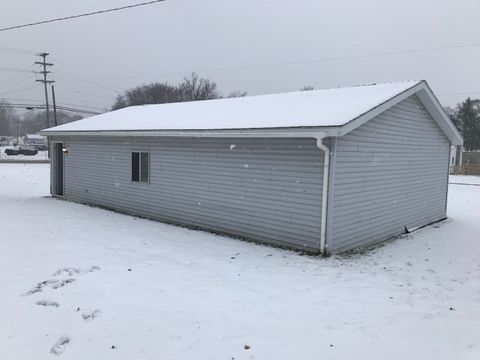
x=35, y=136
x=332, y=107
x=328, y=108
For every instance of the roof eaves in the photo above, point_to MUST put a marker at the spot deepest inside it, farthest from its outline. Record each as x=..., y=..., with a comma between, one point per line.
x=432, y=105
x=429, y=101
x=380, y=108
x=312, y=132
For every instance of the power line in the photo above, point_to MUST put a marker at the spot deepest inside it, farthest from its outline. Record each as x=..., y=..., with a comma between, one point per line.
x=80, y=85
x=42, y=107
x=34, y=103
x=306, y=61
x=80, y=15
x=13, y=69
x=90, y=95
x=16, y=83
x=91, y=82
x=18, y=90
x=90, y=92
x=22, y=100
x=88, y=76
x=459, y=93
x=83, y=111
x=17, y=51
x=18, y=77
x=18, y=105
x=80, y=106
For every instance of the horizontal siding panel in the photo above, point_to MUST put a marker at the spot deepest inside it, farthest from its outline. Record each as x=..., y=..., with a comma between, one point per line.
x=263, y=189
x=229, y=171
x=367, y=220
x=298, y=200
x=211, y=221
x=395, y=144
x=385, y=181
x=227, y=176
x=300, y=215
x=300, y=194
x=194, y=207
x=389, y=230
x=390, y=173
x=387, y=199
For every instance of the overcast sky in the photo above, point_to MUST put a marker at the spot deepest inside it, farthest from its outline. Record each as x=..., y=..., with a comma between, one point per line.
x=238, y=44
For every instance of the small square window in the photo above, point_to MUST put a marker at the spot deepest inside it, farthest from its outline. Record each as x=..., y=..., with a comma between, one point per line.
x=140, y=166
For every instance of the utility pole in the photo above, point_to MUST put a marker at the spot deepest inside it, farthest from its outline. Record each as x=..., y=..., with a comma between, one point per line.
x=45, y=81
x=54, y=106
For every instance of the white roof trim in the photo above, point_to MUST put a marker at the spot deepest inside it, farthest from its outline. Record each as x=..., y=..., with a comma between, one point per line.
x=317, y=132
x=428, y=100
x=438, y=113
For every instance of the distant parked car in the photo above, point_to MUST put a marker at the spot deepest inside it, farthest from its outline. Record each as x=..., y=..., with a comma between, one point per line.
x=41, y=147
x=21, y=150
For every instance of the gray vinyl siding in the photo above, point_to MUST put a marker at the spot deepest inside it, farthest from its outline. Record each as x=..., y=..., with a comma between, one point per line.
x=262, y=189
x=390, y=173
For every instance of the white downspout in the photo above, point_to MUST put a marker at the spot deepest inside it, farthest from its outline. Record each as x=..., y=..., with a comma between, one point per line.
x=326, y=173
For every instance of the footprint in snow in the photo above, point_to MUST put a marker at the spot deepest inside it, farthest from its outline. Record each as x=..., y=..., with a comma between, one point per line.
x=61, y=283
x=47, y=303
x=54, y=284
x=92, y=315
x=73, y=271
x=60, y=345
x=39, y=287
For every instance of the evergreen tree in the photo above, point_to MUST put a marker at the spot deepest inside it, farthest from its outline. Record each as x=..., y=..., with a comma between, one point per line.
x=467, y=120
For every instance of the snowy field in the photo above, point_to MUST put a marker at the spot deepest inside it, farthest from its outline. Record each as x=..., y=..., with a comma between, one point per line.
x=78, y=282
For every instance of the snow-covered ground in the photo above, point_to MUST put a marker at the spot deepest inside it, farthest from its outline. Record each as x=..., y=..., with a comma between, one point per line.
x=87, y=283
x=41, y=155
x=468, y=180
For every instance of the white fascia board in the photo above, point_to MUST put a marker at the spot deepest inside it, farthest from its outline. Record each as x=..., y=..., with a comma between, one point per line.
x=428, y=100
x=433, y=106
x=249, y=133
x=362, y=119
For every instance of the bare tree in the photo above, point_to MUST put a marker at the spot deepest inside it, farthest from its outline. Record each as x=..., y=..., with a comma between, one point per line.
x=120, y=102
x=196, y=88
x=8, y=119
x=156, y=93
x=34, y=121
x=307, y=88
x=191, y=89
